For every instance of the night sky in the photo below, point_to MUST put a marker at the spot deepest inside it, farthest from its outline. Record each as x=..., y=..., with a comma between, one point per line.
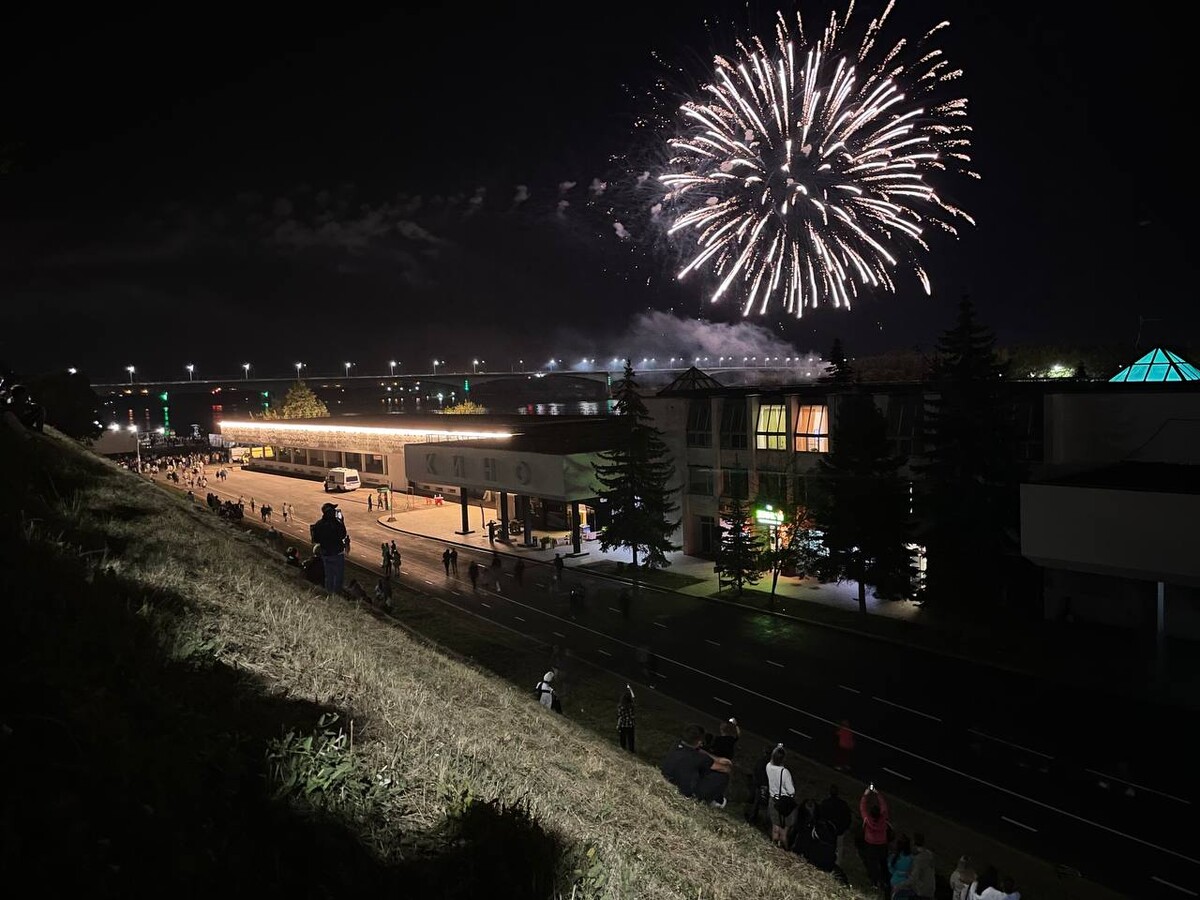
x=334, y=185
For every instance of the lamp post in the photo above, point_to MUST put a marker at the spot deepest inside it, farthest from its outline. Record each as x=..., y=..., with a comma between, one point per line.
x=299, y=366
x=137, y=443
x=475, y=367
x=130, y=370
x=347, y=365
x=392, y=364
x=246, y=370
x=435, y=365
x=190, y=369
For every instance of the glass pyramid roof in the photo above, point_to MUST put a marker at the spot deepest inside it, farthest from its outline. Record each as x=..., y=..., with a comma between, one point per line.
x=1159, y=365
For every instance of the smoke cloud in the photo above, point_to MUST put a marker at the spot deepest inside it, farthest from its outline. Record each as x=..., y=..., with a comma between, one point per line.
x=597, y=187
x=620, y=230
x=564, y=186
x=521, y=195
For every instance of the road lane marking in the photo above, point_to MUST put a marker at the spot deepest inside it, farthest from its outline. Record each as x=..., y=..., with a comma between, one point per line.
x=719, y=700
x=558, y=634
x=428, y=582
x=456, y=593
x=714, y=643
x=1019, y=824
x=894, y=772
x=484, y=605
x=992, y=737
x=518, y=618
x=915, y=712
x=845, y=687
x=1140, y=787
x=613, y=609
x=660, y=625
x=771, y=662
x=1172, y=884
x=801, y=733
x=1041, y=804
x=605, y=652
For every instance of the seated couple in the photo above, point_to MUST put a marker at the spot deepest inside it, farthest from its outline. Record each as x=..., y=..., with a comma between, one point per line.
x=696, y=772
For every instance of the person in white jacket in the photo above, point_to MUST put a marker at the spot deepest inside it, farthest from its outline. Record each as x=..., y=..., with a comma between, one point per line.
x=545, y=691
x=781, y=791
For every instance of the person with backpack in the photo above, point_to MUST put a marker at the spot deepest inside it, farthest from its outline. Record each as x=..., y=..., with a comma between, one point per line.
x=545, y=692
x=330, y=534
x=781, y=791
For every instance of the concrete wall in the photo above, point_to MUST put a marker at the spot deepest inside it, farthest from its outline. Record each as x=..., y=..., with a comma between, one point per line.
x=1129, y=534
x=1086, y=430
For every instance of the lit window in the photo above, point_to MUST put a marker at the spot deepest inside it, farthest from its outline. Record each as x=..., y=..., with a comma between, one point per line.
x=771, y=433
x=812, y=429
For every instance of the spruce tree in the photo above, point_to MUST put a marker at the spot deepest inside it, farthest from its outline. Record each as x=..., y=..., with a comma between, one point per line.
x=840, y=371
x=740, y=557
x=862, y=505
x=969, y=498
x=635, y=483
x=300, y=403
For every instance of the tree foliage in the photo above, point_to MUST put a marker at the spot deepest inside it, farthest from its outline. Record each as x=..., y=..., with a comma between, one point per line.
x=970, y=497
x=740, y=553
x=299, y=403
x=840, y=371
x=862, y=505
x=465, y=408
x=634, y=479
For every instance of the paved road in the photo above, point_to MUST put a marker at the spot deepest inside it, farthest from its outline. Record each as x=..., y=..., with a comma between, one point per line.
x=1010, y=756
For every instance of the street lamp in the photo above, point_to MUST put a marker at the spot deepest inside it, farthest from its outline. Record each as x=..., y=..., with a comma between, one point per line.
x=130, y=370
x=190, y=369
x=137, y=443
x=347, y=365
x=393, y=366
x=435, y=365
x=299, y=366
x=475, y=366
x=72, y=370
x=246, y=369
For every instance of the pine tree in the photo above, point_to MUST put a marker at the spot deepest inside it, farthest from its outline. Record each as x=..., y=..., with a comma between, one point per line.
x=862, y=505
x=634, y=479
x=970, y=495
x=740, y=558
x=840, y=371
x=300, y=403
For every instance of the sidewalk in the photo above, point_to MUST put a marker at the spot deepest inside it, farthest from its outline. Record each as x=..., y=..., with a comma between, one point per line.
x=1040, y=649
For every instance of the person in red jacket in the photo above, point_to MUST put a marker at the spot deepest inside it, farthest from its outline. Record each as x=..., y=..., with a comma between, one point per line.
x=874, y=811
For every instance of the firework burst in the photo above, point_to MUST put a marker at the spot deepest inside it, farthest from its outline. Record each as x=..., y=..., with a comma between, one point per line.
x=804, y=173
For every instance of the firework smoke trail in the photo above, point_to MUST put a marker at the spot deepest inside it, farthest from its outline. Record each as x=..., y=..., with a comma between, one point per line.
x=803, y=174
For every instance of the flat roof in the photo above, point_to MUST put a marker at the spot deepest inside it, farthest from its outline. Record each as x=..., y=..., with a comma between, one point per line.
x=1163, y=478
x=432, y=421
x=591, y=434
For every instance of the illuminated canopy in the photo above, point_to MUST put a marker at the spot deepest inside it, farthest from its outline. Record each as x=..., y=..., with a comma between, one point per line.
x=1159, y=365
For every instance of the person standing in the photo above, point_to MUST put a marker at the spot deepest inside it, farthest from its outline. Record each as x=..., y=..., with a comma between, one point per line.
x=386, y=562
x=285, y=513
x=545, y=690
x=330, y=534
x=921, y=880
x=874, y=811
x=446, y=561
x=454, y=561
x=369, y=506
x=625, y=719
x=558, y=568
x=834, y=810
x=473, y=575
x=497, y=569
x=844, y=748
x=395, y=554
x=781, y=791
x=491, y=526
x=251, y=504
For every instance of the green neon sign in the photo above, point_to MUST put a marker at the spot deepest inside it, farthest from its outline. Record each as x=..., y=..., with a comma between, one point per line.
x=768, y=515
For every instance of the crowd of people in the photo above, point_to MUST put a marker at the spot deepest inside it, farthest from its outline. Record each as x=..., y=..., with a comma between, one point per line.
x=899, y=866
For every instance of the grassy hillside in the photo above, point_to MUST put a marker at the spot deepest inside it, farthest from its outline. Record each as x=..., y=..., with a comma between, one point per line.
x=183, y=714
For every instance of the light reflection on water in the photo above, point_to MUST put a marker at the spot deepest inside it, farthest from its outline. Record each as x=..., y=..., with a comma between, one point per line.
x=577, y=408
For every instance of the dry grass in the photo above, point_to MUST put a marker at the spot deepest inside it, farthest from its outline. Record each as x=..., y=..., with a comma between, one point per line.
x=433, y=729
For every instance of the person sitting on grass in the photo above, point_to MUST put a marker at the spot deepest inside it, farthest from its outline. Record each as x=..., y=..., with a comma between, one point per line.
x=686, y=764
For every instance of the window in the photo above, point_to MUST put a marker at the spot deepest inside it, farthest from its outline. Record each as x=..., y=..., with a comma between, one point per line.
x=772, y=487
x=316, y=458
x=353, y=460
x=374, y=463
x=699, y=423
x=771, y=433
x=737, y=483
x=812, y=429
x=903, y=423
x=333, y=459
x=285, y=454
x=733, y=425
x=701, y=481
x=489, y=468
